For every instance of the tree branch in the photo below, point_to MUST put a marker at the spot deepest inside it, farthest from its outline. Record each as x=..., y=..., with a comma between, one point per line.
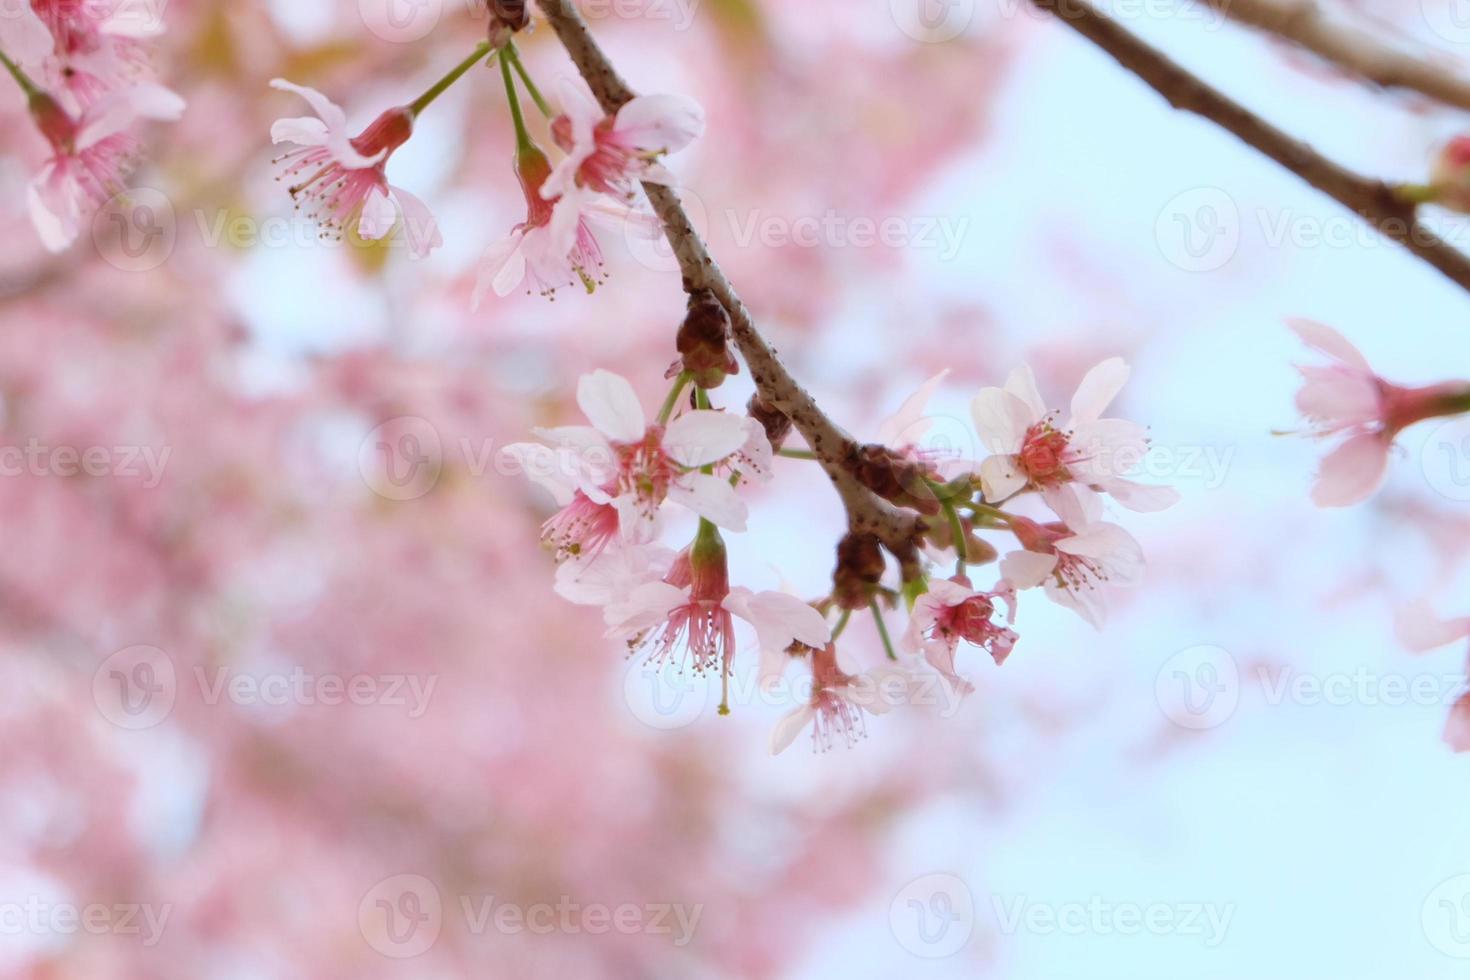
x=834, y=448
x=1373, y=200
x=1350, y=48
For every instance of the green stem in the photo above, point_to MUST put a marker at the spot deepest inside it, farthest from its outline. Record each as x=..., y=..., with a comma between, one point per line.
x=421, y=103
x=1416, y=193
x=883, y=630
x=841, y=624
x=956, y=528
x=514, y=54
x=523, y=138
x=796, y=453
x=21, y=78
x=994, y=512
x=673, y=399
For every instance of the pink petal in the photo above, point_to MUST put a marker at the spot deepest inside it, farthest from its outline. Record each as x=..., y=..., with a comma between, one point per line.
x=611, y=405
x=54, y=200
x=1457, y=726
x=1328, y=341
x=305, y=130
x=999, y=478
x=1001, y=419
x=1022, y=383
x=907, y=426
x=23, y=35
x=1142, y=498
x=1352, y=472
x=1418, y=628
x=502, y=267
x=700, y=438
x=1098, y=389
x=660, y=123
x=378, y=216
x=712, y=498
x=780, y=618
x=419, y=226
x=789, y=727
x=1027, y=569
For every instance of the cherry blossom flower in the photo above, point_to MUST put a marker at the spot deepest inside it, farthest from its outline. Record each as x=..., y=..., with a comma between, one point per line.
x=555, y=245
x=623, y=463
x=91, y=156
x=1075, y=558
x=692, y=611
x=609, y=154
x=603, y=580
x=838, y=700
x=96, y=47
x=1450, y=174
x=1346, y=399
x=1420, y=630
x=341, y=180
x=953, y=610
x=24, y=36
x=1033, y=452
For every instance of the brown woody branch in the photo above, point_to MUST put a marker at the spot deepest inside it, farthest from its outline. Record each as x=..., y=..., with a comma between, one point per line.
x=1373, y=200
x=1352, y=49
x=833, y=447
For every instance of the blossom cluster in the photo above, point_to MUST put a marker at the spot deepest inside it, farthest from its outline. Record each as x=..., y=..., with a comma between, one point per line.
x=340, y=179
x=615, y=478
x=1345, y=400
x=84, y=68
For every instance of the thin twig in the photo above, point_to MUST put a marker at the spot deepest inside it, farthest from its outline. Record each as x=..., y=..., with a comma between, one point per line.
x=833, y=447
x=1353, y=49
x=1373, y=200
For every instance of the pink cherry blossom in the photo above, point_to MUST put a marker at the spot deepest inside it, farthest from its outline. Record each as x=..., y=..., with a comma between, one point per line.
x=341, y=180
x=1076, y=559
x=1033, y=452
x=609, y=154
x=622, y=462
x=1346, y=399
x=91, y=156
x=953, y=610
x=692, y=612
x=24, y=36
x=96, y=46
x=1419, y=629
x=555, y=246
x=838, y=701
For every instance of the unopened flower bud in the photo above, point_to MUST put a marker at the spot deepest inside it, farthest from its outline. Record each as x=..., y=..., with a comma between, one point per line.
x=704, y=340
x=776, y=422
x=860, y=566
x=1450, y=176
x=54, y=122
x=506, y=18
x=896, y=479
